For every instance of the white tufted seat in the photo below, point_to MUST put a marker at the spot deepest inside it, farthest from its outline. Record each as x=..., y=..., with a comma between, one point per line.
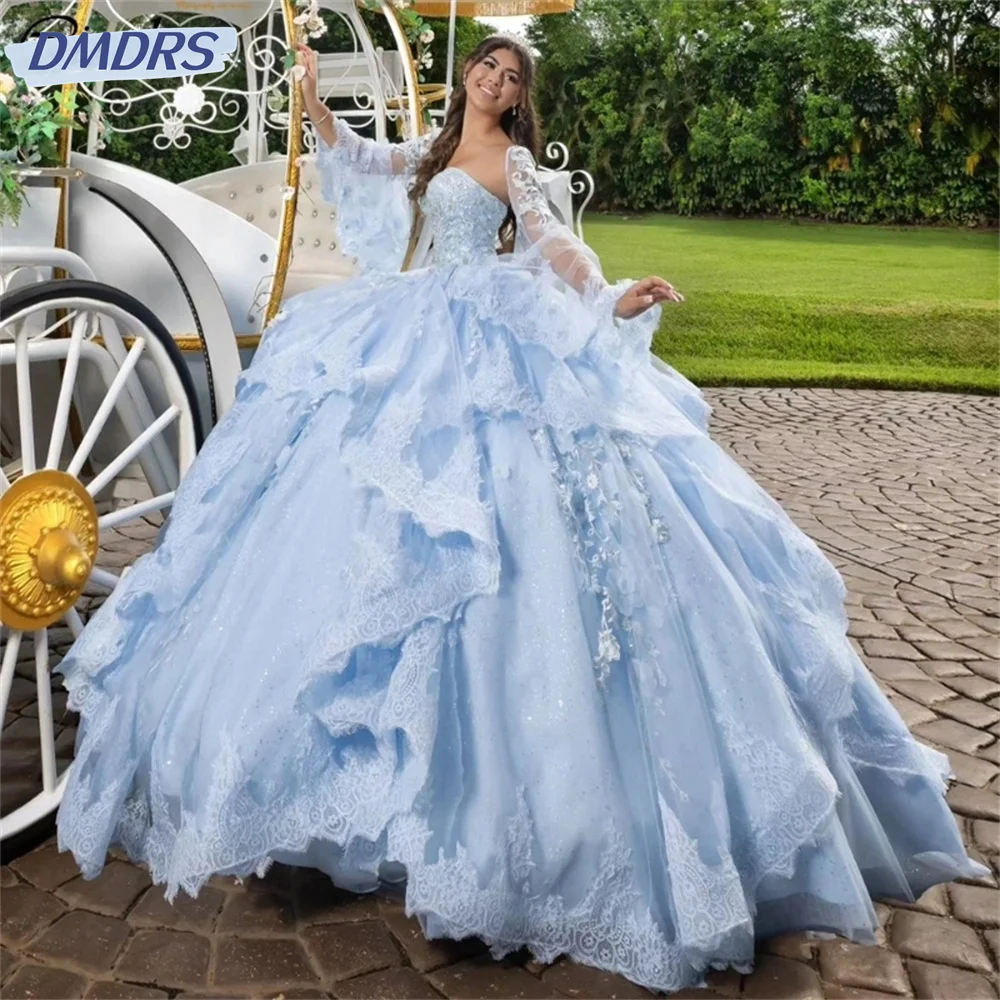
x=255, y=193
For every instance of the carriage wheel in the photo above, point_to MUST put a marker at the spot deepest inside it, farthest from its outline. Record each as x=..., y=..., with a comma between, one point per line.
x=100, y=422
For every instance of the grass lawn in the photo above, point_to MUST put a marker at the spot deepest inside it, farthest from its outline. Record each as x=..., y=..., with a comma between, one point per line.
x=780, y=303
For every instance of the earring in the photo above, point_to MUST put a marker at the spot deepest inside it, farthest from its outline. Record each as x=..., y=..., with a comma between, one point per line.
x=517, y=113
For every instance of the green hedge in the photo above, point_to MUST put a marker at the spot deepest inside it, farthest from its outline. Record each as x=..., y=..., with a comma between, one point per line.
x=852, y=110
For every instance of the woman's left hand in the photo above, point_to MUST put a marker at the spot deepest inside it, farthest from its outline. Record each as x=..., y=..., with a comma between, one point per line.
x=644, y=295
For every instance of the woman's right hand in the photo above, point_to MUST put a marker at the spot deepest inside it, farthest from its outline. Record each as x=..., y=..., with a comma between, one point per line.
x=306, y=58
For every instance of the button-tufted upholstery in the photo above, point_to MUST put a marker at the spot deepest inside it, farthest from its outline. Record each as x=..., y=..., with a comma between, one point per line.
x=255, y=193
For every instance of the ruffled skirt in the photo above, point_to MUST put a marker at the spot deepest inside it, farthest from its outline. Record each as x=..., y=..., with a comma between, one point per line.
x=461, y=590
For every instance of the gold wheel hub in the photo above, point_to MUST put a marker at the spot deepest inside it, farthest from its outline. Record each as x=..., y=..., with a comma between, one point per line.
x=48, y=544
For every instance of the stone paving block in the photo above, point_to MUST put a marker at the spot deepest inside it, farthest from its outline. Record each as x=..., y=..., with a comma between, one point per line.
x=425, y=955
x=198, y=914
x=22, y=694
x=867, y=629
x=25, y=911
x=7, y=878
x=969, y=770
x=107, y=990
x=988, y=645
x=975, y=687
x=969, y=712
x=257, y=912
x=345, y=950
x=954, y=735
x=986, y=835
x=941, y=982
x=389, y=984
x=46, y=868
x=938, y=939
x=934, y=900
x=489, y=981
x=993, y=940
x=990, y=669
x=798, y=947
x=573, y=980
x=990, y=753
x=9, y=961
x=975, y=905
x=910, y=712
x=948, y=650
x=929, y=693
x=976, y=802
x=111, y=893
x=894, y=649
x=776, y=978
x=85, y=940
x=172, y=959
x=859, y=965
x=38, y=982
x=251, y=963
x=318, y=900
x=944, y=669
x=891, y=670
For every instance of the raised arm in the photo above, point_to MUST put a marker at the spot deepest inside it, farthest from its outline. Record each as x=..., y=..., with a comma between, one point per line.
x=359, y=153
x=540, y=233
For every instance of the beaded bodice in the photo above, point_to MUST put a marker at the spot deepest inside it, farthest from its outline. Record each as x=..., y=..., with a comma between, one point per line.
x=464, y=216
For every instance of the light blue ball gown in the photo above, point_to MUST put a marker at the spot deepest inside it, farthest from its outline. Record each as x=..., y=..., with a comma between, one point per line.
x=461, y=589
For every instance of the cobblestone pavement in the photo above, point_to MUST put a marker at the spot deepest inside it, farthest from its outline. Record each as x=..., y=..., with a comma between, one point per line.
x=901, y=491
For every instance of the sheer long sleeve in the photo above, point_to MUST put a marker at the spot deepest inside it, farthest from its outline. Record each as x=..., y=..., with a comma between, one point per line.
x=366, y=156
x=542, y=240
x=367, y=183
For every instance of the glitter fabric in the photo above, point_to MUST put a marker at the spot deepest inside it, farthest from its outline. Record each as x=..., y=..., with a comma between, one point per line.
x=460, y=589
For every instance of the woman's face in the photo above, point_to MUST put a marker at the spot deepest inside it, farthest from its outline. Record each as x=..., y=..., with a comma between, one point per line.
x=493, y=85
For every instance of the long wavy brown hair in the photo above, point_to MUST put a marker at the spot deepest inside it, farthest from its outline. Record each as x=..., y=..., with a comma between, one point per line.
x=519, y=122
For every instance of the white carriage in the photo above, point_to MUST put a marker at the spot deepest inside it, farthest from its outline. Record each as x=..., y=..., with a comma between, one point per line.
x=130, y=304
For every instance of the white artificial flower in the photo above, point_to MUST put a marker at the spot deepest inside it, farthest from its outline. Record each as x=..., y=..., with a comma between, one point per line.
x=427, y=36
x=427, y=59
x=301, y=18
x=298, y=72
x=189, y=99
x=746, y=26
x=7, y=84
x=3, y=98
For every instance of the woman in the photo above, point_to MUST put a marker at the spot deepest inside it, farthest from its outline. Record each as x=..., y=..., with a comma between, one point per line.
x=461, y=591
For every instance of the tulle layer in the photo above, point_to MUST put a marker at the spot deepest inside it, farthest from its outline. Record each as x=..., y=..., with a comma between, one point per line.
x=461, y=588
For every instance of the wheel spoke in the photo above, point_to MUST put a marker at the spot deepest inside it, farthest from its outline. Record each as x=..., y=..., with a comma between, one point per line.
x=55, y=326
x=10, y=652
x=164, y=420
x=46, y=729
x=4, y=483
x=74, y=621
x=104, y=410
x=103, y=578
x=25, y=419
x=125, y=515
x=65, y=394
